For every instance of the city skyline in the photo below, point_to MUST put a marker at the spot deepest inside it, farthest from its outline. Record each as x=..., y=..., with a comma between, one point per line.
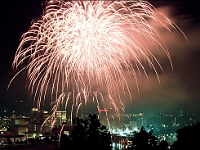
x=178, y=88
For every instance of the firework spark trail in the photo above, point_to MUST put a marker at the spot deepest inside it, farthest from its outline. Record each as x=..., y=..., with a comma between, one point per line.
x=85, y=47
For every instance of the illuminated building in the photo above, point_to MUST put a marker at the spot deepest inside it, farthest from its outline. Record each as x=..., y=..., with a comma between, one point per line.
x=61, y=118
x=37, y=118
x=21, y=125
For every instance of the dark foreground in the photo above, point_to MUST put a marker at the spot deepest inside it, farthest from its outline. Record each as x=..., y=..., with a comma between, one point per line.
x=49, y=146
x=38, y=146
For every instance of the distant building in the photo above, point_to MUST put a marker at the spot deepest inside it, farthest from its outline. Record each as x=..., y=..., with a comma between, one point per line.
x=42, y=123
x=37, y=118
x=5, y=122
x=20, y=126
x=61, y=118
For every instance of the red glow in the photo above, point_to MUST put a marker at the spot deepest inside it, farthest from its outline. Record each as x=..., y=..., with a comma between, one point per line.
x=103, y=110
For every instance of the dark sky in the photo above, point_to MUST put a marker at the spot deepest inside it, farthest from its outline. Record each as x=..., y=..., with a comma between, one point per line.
x=15, y=19
x=178, y=89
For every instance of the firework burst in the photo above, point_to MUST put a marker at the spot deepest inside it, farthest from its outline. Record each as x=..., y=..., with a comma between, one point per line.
x=79, y=50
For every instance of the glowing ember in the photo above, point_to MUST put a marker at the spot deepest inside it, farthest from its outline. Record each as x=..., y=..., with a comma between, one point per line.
x=79, y=50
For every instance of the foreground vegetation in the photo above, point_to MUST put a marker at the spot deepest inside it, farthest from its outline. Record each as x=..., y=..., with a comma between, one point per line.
x=89, y=134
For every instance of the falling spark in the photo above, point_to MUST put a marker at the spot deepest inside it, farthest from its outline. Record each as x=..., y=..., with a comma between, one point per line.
x=79, y=50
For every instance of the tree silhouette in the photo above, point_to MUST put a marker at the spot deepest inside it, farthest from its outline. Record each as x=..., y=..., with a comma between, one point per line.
x=144, y=140
x=88, y=134
x=188, y=138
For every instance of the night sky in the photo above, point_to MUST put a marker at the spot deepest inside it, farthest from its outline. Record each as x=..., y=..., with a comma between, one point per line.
x=179, y=88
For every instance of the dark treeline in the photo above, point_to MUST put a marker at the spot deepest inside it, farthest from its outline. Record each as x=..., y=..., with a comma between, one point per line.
x=188, y=138
x=89, y=134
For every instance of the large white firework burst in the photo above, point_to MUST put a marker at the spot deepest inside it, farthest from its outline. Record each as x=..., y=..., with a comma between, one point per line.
x=77, y=50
